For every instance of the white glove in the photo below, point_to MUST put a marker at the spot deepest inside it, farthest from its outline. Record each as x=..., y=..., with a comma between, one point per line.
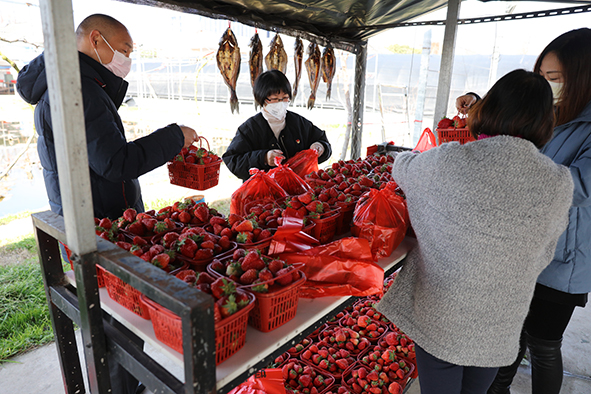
x=318, y=147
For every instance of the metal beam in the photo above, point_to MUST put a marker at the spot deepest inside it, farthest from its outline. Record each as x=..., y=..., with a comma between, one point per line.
x=358, y=100
x=447, y=60
x=67, y=117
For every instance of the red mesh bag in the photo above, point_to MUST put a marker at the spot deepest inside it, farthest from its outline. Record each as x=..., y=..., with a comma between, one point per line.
x=304, y=162
x=381, y=217
x=426, y=142
x=260, y=186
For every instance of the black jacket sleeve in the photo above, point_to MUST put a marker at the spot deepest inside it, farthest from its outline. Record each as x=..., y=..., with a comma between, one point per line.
x=246, y=150
x=109, y=153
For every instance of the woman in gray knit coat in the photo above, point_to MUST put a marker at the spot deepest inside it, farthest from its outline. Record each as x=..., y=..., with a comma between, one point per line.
x=487, y=216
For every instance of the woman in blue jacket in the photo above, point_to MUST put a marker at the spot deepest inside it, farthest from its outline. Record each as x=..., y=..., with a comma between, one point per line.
x=564, y=284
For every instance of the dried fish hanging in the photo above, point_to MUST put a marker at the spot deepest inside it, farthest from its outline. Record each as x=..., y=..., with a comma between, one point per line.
x=329, y=67
x=297, y=58
x=276, y=59
x=255, y=60
x=313, y=68
x=228, y=60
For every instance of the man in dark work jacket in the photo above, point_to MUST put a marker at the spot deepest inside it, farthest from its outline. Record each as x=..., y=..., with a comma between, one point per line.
x=114, y=163
x=104, y=46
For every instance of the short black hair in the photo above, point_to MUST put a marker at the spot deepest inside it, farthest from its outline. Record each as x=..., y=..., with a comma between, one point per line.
x=518, y=104
x=268, y=83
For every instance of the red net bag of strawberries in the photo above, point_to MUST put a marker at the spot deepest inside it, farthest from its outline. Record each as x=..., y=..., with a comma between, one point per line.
x=260, y=186
x=381, y=217
x=291, y=182
x=304, y=162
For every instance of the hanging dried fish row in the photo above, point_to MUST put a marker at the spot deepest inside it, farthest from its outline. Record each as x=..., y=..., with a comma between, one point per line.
x=329, y=67
x=228, y=61
x=255, y=60
x=313, y=68
x=297, y=59
x=276, y=59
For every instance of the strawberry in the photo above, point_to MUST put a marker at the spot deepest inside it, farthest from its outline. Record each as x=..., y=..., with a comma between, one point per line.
x=207, y=245
x=203, y=277
x=242, y=299
x=222, y=287
x=201, y=212
x=234, y=269
x=226, y=232
x=260, y=287
x=323, y=364
x=129, y=214
x=315, y=206
x=341, y=363
x=264, y=235
x=218, y=266
x=184, y=217
x=284, y=277
x=187, y=247
x=227, y=305
x=160, y=227
x=306, y=198
x=238, y=253
x=124, y=245
x=394, y=388
x=265, y=275
x=244, y=226
x=105, y=223
x=253, y=260
x=244, y=238
x=203, y=254
x=161, y=260
x=305, y=380
x=168, y=239
x=136, y=228
x=136, y=251
x=275, y=266
x=225, y=243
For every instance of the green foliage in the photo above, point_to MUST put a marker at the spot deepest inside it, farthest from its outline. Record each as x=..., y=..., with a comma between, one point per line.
x=403, y=49
x=24, y=314
x=27, y=242
x=9, y=218
x=222, y=206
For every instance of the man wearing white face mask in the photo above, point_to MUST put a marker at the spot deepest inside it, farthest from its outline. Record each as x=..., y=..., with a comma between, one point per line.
x=273, y=133
x=104, y=46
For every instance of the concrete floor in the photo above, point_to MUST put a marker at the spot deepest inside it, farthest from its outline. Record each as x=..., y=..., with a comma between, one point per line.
x=38, y=371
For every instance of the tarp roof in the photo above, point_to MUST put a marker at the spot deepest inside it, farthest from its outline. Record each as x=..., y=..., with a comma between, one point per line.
x=342, y=22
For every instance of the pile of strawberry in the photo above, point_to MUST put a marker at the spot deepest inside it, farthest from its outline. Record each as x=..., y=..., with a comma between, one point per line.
x=342, y=338
x=387, y=360
x=362, y=381
x=296, y=350
x=365, y=326
x=240, y=229
x=329, y=358
x=196, y=244
x=456, y=122
x=195, y=155
x=398, y=342
x=260, y=273
x=144, y=224
x=301, y=378
x=104, y=228
x=228, y=299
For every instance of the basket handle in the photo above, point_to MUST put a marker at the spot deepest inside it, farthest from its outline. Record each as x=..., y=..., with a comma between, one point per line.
x=201, y=139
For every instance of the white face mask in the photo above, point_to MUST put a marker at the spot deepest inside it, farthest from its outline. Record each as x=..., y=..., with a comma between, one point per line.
x=277, y=110
x=120, y=65
x=556, y=90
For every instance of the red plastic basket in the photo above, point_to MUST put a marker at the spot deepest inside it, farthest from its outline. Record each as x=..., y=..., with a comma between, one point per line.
x=344, y=221
x=125, y=295
x=195, y=176
x=326, y=226
x=276, y=308
x=99, y=270
x=262, y=245
x=447, y=135
x=230, y=333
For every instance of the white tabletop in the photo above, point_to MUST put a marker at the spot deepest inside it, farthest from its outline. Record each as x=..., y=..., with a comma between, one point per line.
x=258, y=345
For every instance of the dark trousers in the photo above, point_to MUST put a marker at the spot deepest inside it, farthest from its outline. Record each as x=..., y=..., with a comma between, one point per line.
x=440, y=377
x=547, y=319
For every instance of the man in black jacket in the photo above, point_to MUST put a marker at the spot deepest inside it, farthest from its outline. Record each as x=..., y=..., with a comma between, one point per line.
x=104, y=46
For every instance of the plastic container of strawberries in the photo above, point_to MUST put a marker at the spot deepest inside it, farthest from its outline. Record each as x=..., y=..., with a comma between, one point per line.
x=401, y=381
x=411, y=374
x=372, y=340
x=462, y=135
x=230, y=333
x=325, y=227
x=195, y=176
x=328, y=378
x=201, y=265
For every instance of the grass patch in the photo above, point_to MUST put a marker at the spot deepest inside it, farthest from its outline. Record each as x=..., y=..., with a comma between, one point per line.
x=222, y=206
x=9, y=218
x=24, y=314
x=28, y=242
